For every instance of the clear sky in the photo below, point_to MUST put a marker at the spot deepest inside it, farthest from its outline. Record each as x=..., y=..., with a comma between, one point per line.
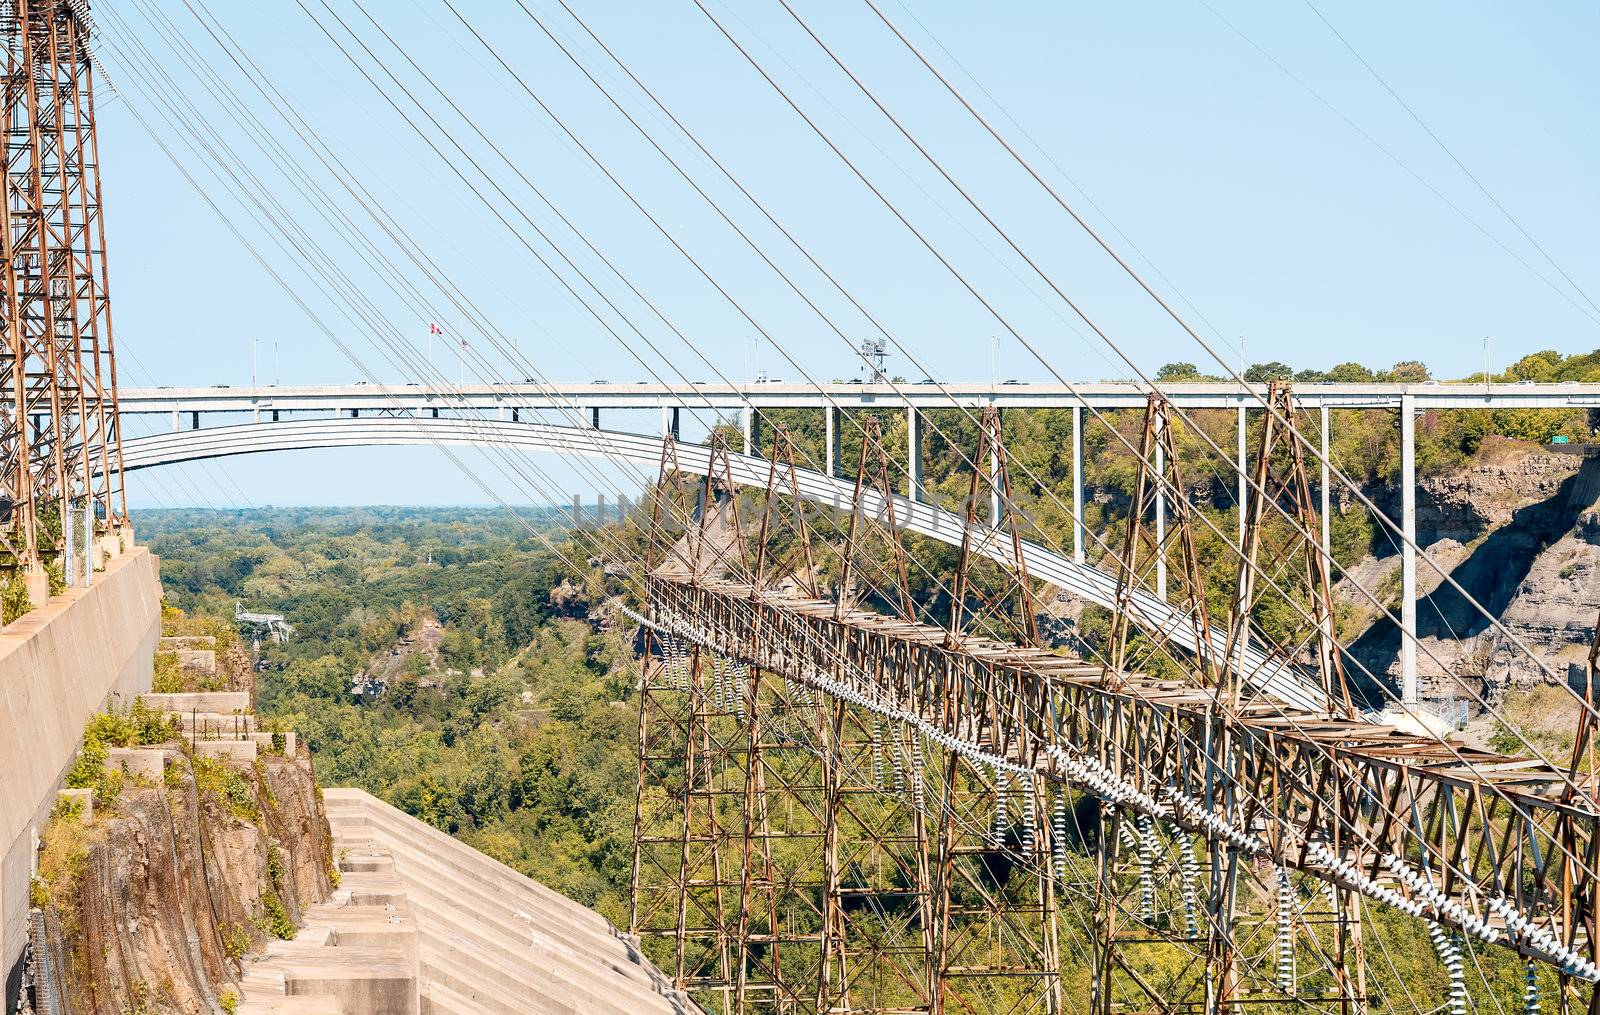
x=1238, y=152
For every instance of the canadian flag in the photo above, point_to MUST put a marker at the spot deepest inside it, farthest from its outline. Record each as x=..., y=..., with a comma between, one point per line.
x=434, y=329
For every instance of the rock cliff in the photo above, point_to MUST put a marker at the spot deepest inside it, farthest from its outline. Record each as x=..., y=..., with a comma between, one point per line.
x=1519, y=533
x=150, y=903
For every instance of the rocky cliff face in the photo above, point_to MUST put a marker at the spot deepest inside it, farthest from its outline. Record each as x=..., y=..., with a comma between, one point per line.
x=167, y=892
x=1519, y=531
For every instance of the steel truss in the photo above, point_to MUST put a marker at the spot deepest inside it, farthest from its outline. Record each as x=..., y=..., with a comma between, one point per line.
x=805, y=856
x=60, y=455
x=1221, y=847
x=1197, y=948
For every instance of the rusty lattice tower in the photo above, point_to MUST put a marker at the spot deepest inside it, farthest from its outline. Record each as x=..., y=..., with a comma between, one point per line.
x=60, y=457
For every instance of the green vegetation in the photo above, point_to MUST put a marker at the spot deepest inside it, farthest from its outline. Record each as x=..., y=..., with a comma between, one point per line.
x=236, y=941
x=274, y=918
x=139, y=726
x=519, y=738
x=227, y=786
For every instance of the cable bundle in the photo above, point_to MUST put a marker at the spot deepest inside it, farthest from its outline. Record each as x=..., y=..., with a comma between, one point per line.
x=1286, y=976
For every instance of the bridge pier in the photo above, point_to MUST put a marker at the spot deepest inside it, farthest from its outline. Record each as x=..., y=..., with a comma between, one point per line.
x=994, y=474
x=1244, y=472
x=1408, y=550
x=1077, y=484
x=913, y=455
x=1327, y=543
x=830, y=416
x=669, y=421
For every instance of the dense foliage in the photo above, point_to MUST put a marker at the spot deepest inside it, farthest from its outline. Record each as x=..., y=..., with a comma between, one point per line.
x=514, y=734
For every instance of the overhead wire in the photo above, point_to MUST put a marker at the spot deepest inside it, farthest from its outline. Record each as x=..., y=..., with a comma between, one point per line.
x=1532, y=749
x=1245, y=389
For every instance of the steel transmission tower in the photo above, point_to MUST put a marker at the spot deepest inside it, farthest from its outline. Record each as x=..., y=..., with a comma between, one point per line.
x=60, y=459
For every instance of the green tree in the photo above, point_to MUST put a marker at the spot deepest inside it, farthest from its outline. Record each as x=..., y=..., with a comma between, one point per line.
x=1351, y=373
x=1260, y=373
x=1407, y=371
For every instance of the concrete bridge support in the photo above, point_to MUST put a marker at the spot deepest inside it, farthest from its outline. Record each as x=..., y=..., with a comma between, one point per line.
x=831, y=435
x=59, y=664
x=1408, y=550
x=913, y=454
x=1077, y=484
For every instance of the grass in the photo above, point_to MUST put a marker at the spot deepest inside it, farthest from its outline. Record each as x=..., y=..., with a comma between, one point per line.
x=1546, y=716
x=226, y=786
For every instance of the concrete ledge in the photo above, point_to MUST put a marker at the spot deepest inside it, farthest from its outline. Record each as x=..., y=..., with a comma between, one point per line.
x=148, y=763
x=300, y=1004
x=242, y=751
x=224, y=702
x=373, y=888
x=84, y=799
x=264, y=742
x=365, y=980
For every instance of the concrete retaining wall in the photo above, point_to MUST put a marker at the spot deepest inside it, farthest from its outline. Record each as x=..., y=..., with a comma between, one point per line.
x=59, y=665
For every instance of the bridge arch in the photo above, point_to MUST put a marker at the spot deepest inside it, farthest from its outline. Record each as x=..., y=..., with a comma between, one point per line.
x=1086, y=582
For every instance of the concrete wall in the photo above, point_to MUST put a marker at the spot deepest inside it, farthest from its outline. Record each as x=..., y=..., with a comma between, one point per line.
x=60, y=664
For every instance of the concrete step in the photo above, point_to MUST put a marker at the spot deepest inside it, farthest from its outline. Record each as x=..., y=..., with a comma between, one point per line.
x=199, y=701
x=261, y=983
x=526, y=953
x=596, y=970
x=438, y=999
x=490, y=940
x=504, y=887
x=497, y=991
x=392, y=821
x=367, y=980
x=300, y=1004
x=488, y=921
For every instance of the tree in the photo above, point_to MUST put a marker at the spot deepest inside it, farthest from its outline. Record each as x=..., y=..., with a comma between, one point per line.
x=1408, y=371
x=1178, y=372
x=1260, y=373
x=1351, y=373
x=1539, y=366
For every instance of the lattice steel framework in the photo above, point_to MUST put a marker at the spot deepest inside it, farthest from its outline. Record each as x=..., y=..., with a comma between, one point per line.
x=800, y=855
x=1240, y=836
x=59, y=446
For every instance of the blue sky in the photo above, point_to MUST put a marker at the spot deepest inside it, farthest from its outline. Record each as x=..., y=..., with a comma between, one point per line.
x=1310, y=226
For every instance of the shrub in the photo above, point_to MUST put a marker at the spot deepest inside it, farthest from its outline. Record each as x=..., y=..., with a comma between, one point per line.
x=274, y=865
x=235, y=940
x=227, y=786
x=228, y=1002
x=274, y=918
x=14, y=601
x=168, y=674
